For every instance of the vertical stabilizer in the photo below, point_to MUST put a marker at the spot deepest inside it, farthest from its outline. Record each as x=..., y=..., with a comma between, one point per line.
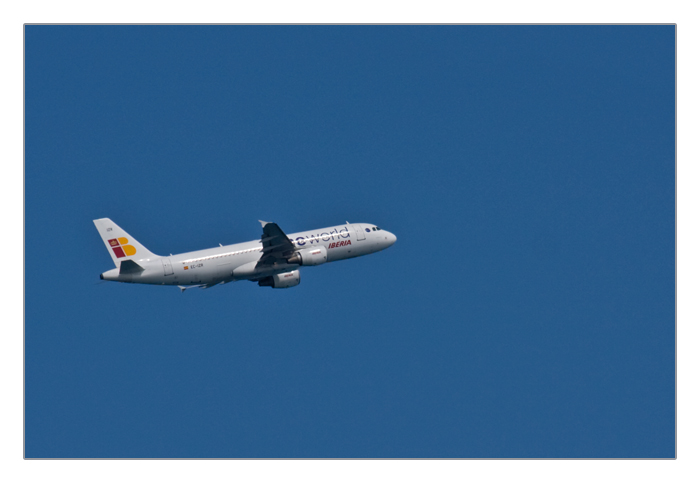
x=120, y=244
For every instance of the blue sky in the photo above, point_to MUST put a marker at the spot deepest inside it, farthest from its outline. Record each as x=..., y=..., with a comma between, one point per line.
x=526, y=310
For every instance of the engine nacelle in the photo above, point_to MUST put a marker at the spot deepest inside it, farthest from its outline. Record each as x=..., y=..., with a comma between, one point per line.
x=310, y=256
x=281, y=280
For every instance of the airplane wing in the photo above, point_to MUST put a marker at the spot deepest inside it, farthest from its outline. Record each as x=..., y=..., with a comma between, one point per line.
x=202, y=285
x=187, y=287
x=276, y=245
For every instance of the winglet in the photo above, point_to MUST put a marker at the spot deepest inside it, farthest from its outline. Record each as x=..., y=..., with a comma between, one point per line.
x=263, y=223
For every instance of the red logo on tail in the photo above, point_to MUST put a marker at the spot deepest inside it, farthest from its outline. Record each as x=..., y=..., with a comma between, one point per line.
x=121, y=251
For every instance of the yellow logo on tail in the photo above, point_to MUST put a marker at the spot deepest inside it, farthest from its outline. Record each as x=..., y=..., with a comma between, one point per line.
x=120, y=247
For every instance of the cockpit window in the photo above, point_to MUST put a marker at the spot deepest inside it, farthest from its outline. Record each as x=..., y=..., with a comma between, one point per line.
x=378, y=228
x=374, y=228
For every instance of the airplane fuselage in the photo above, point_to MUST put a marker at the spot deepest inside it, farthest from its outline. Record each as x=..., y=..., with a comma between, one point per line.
x=242, y=261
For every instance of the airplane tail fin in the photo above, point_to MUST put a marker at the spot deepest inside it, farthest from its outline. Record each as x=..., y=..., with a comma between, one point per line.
x=120, y=244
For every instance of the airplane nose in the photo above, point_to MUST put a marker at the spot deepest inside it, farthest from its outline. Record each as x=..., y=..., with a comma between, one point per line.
x=391, y=238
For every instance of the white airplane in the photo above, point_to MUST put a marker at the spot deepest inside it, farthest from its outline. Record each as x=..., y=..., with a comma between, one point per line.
x=272, y=261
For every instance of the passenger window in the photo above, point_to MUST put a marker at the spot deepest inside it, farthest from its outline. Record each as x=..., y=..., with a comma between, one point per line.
x=367, y=230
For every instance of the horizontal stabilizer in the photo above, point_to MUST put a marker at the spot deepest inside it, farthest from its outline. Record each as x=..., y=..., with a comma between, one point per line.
x=130, y=266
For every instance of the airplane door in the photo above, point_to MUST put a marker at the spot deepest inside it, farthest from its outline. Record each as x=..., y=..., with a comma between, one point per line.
x=359, y=232
x=167, y=266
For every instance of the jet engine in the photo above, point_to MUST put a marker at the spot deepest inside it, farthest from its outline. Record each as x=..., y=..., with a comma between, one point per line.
x=281, y=280
x=310, y=256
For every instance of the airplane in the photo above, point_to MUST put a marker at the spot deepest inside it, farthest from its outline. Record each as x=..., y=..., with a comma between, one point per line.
x=273, y=261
